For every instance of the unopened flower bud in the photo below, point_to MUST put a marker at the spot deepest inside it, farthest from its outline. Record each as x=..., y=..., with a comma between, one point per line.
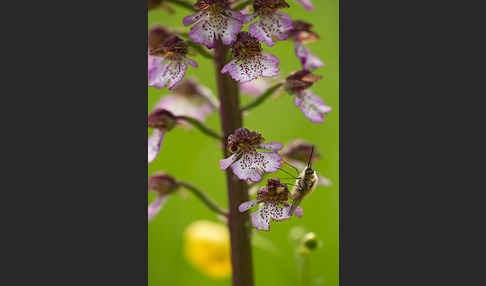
x=162, y=119
x=310, y=241
x=300, y=80
x=162, y=183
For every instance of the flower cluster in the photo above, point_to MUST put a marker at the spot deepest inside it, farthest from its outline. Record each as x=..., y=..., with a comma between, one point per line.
x=274, y=198
x=246, y=161
x=167, y=61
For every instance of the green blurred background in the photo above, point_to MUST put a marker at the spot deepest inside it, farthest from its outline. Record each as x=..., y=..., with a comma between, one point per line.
x=191, y=156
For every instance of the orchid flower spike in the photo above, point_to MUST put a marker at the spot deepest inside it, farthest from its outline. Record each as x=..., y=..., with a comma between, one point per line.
x=248, y=163
x=215, y=20
x=272, y=24
x=168, y=62
x=161, y=121
x=249, y=62
x=163, y=185
x=274, y=198
x=312, y=106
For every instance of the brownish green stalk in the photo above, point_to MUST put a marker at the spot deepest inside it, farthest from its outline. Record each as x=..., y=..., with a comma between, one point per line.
x=232, y=119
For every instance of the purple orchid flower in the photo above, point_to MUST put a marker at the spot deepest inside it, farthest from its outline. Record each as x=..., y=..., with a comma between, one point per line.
x=167, y=63
x=163, y=185
x=190, y=99
x=274, y=198
x=215, y=20
x=312, y=106
x=161, y=121
x=249, y=62
x=272, y=24
x=301, y=35
x=248, y=163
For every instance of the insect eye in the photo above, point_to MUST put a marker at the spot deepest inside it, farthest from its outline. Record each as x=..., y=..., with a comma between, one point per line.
x=234, y=148
x=309, y=171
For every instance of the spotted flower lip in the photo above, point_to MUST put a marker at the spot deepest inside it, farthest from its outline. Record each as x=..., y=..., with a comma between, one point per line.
x=215, y=20
x=162, y=184
x=272, y=24
x=246, y=162
x=249, y=62
x=167, y=63
x=312, y=106
x=191, y=99
x=161, y=121
x=274, y=198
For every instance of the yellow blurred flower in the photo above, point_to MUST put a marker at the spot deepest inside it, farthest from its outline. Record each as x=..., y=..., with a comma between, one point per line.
x=207, y=247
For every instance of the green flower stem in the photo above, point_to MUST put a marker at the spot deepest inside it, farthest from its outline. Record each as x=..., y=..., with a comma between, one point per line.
x=210, y=203
x=199, y=125
x=232, y=119
x=302, y=262
x=259, y=100
x=183, y=4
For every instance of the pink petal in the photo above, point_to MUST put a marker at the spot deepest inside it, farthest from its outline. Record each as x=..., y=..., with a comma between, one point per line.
x=225, y=163
x=254, y=87
x=253, y=164
x=309, y=60
x=191, y=19
x=307, y=4
x=252, y=67
x=155, y=207
x=270, y=146
x=247, y=205
x=154, y=144
x=312, y=106
x=172, y=71
x=217, y=25
x=191, y=62
x=299, y=212
x=195, y=106
x=276, y=25
x=261, y=218
x=278, y=213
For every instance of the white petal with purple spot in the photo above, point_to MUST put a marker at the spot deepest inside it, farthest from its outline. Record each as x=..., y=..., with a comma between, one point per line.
x=253, y=164
x=312, y=106
x=169, y=72
x=225, y=163
x=247, y=205
x=270, y=146
x=261, y=218
x=309, y=60
x=276, y=25
x=252, y=67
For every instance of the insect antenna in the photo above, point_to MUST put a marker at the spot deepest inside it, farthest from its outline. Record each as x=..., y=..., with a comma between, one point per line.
x=309, y=164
